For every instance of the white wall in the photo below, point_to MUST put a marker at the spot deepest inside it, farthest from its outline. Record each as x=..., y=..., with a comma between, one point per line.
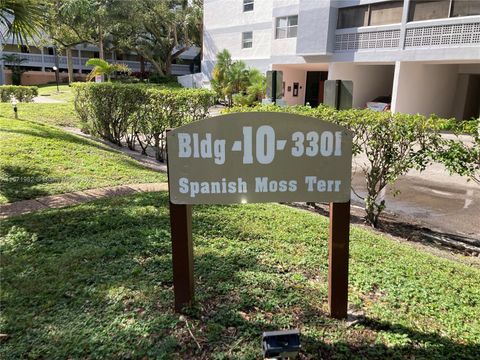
x=369, y=81
x=289, y=77
x=460, y=96
x=425, y=88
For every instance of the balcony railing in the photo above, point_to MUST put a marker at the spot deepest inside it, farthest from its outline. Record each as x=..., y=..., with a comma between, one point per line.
x=442, y=35
x=439, y=33
x=367, y=38
x=48, y=61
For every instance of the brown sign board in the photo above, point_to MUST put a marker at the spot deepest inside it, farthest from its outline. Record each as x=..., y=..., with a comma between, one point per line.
x=259, y=157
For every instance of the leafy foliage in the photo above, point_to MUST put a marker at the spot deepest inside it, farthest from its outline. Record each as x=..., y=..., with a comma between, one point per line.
x=95, y=281
x=38, y=160
x=159, y=31
x=22, y=19
x=392, y=145
x=233, y=81
x=138, y=113
x=460, y=157
x=102, y=67
x=13, y=61
x=20, y=93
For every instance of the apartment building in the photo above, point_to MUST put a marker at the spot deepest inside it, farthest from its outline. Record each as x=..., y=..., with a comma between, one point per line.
x=422, y=54
x=38, y=61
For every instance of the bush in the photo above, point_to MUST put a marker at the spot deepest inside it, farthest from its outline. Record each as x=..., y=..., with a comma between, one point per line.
x=137, y=113
x=392, y=144
x=21, y=93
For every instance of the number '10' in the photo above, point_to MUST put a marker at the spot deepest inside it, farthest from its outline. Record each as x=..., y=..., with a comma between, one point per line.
x=311, y=144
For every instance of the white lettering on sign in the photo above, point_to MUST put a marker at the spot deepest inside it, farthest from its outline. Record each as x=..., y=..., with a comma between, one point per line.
x=264, y=147
x=263, y=184
x=203, y=149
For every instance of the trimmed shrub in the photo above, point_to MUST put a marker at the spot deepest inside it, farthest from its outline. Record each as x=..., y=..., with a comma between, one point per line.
x=138, y=114
x=392, y=144
x=21, y=93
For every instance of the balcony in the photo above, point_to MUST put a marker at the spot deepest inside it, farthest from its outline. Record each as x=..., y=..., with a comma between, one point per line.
x=452, y=32
x=48, y=61
x=430, y=34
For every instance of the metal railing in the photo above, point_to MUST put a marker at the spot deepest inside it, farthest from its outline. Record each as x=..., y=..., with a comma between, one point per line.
x=48, y=61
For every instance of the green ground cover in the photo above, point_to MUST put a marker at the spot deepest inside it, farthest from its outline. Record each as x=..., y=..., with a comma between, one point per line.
x=54, y=114
x=64, y=92
x=37, y=160
x=95, y=281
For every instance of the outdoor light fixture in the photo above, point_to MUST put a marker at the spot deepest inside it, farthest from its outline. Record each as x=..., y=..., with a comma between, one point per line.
x=56, y=76
x=281, y=344
x=14, y=105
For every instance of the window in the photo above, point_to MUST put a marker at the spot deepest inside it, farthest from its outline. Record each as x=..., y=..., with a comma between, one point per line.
x=352, y=17
x=465, y=8
x=440, y=9
x=386, y=13
x=247, y=5
x=247, y=40
x=383, y=13
x=428, y=9
x=286, y=27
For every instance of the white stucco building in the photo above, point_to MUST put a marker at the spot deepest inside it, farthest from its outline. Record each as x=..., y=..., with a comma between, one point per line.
x=425, y=54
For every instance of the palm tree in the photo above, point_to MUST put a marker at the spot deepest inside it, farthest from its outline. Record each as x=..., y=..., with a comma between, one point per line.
x=101, y=67
x=21, y=18
x=13, y=61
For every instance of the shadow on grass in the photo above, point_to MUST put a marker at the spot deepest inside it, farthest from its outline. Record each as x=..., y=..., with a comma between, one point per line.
x=18, y=182
x=47, y=132
x=95, y=281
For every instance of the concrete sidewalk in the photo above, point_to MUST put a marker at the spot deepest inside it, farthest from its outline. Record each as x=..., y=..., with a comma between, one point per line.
x=77, y=197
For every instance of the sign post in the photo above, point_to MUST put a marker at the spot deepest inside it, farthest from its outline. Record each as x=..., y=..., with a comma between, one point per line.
x=257, y=158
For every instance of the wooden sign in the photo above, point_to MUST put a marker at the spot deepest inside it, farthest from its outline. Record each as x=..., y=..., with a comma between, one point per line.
x=259, y=157
x=253, y=158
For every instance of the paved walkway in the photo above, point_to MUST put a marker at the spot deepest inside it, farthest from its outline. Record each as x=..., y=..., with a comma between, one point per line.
x=77, y=197
x=47, y=100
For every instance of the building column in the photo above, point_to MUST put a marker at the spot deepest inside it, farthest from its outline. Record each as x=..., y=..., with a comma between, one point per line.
x=396, y=81
x=80, y=65
x=2, y=73
x=43, y=60
x=406, y=9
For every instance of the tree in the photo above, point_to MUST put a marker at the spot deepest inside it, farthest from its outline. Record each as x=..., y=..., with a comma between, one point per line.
x=461, y=157
x=101, y=67
x=219, y=74
x=22, y=19
x=158, y=30
x=232, y=79
x=14, y=62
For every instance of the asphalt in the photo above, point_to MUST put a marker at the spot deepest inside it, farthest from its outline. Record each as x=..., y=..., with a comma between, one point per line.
x=433, y=198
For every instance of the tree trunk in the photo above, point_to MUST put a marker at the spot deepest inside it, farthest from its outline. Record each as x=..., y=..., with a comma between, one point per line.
x=168, y=66
x=100, y=43
x=69, y=65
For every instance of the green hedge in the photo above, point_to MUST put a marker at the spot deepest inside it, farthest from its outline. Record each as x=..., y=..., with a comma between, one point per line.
x=21, y=93
x=138, y=114
x=395, y=143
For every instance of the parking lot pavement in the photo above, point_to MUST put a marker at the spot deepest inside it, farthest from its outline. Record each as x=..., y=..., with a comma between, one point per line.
x=439, y=201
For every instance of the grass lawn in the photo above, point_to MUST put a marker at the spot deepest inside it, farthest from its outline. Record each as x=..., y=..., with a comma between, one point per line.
x=37, y=160
x=95, y=281
x=54, y=114
x=50, y=90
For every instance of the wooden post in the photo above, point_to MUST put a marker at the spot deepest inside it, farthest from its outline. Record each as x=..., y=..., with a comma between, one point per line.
x=182, y=249
x=182, y=254
x=338, y=259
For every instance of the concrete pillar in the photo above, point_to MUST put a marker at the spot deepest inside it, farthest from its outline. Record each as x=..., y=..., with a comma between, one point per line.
x=396, y=79
x=425, y=88
x=406, y=7
x=43, y=60
x=80, y=64
x=2, y=73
